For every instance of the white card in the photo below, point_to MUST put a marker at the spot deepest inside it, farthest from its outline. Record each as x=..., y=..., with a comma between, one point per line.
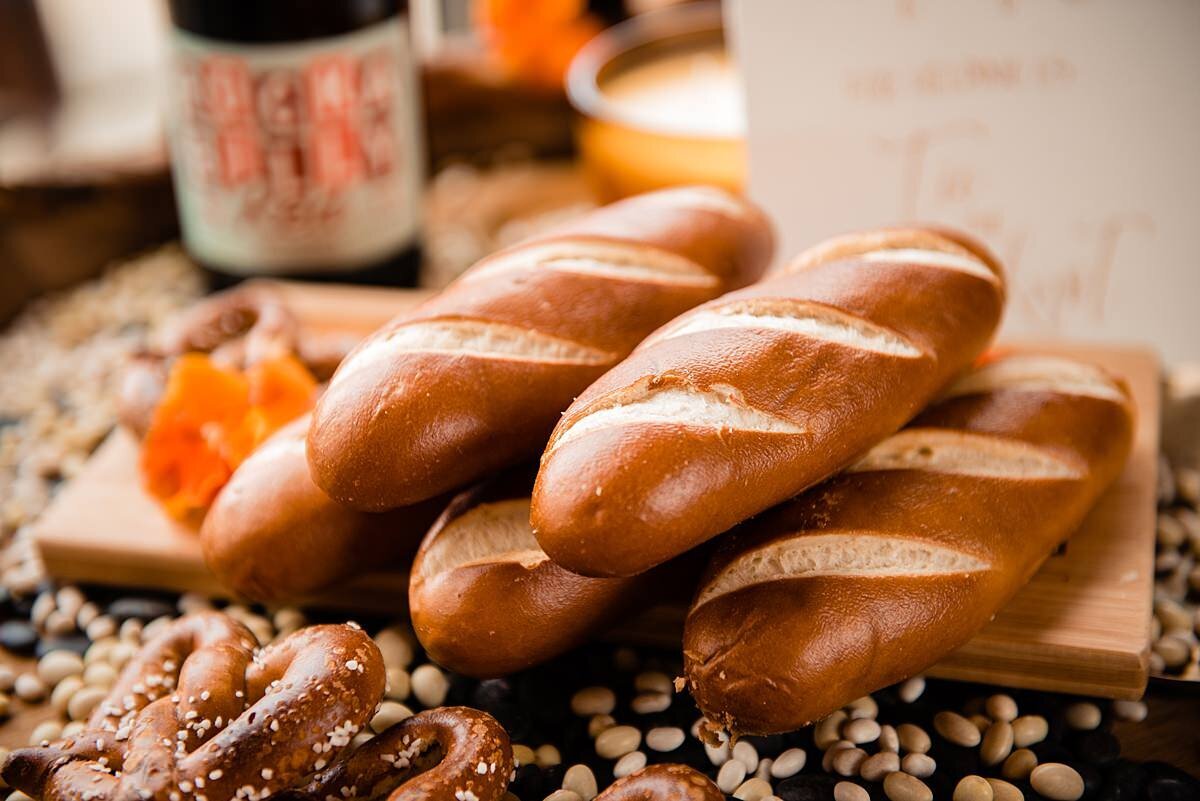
x=1063, y=133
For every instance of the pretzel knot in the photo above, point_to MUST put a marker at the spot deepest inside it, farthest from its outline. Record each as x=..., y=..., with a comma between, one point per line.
x=443, y=754
x=663, y=783
x=201, y=714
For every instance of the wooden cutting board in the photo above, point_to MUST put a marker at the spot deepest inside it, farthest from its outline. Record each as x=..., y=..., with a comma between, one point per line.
x=1082, y=624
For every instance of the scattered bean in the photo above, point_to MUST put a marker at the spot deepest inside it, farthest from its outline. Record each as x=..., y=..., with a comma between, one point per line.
x=593, y=701
x=903, y=787
x=864, y=707
x=62, y=692
x=920, y=765
x=745, y=752
x=563, y=795
x=1003, y=791
x=84, y=701
x=828, y=729
x=997, y=743
x=956, y=729
x=599, y=723
x=752, y=789
x=731, y=775
x=972, y=788
x=913, y=738
x=861, y=730
x=1083, y=716
x=1029, y=730
x=618, y=741
x=631, y=762
x=57, y=665
x=849, y=791
x=580, y=780
x=1134, y=711
x=399, y=684
x=848, y=761
x=1019, y=765
x=888, y=739
x=389, y=714
x=827, y=759
x=665, y=738
x=29, y=688
x=1001, y=707
x=395, y=645
x=911, y=689
x=878, y=765
x=547, y=756
x=47, y=731
x=523, y=754
x=718, y=755
x=430, y=685
x=653, y=681
x=650, y=703
x=789, y=763
x=1057, y=781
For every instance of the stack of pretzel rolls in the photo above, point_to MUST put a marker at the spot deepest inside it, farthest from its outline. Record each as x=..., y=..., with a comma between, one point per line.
x=747, y=400
x=474, y=379
x=273, y=535
x=877, y=574
x=486, y=601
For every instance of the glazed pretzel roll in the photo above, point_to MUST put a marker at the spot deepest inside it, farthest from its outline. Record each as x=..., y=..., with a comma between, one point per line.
x=750, y=399
x=443, y=754
x=272, y=534
x=663, y=783
x=878, y=573
x=200, y=713
x=475, y=378
x=486, y=601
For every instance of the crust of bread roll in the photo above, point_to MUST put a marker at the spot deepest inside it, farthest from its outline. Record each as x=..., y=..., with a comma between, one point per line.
x=474, y=379
x=486, y=601
x=272, y=534
x=875, y=575
x=752, y=398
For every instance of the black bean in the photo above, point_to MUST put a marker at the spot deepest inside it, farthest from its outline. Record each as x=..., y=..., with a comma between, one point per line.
x=807, y=787
x=1169, y=783
x=18, y=636
x=78, y=643
x=1123, y=781
x=1096, y=747
x=143, y=609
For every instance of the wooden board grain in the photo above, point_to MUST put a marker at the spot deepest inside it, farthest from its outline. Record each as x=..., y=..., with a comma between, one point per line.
x=1081, y=625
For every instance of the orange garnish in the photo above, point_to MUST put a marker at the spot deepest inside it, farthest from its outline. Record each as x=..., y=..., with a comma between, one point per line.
x=210, y=419
x=535, y=40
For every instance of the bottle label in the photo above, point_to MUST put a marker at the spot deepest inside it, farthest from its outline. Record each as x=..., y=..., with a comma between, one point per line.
x=297, y=156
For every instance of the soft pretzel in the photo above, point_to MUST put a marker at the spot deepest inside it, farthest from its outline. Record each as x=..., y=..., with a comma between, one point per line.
x=443, y=754
x=663, y=783
x=272, y=534
x=239, y=327
x=474, y=379
x=487, y=601
x=746, y=401
x=201, y=714
x=881, y=571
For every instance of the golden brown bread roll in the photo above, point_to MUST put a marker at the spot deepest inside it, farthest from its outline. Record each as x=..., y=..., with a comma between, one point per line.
x=748, y=400
x=875, y=575
x=474, y=379
x=486, y=601
x=273, y=535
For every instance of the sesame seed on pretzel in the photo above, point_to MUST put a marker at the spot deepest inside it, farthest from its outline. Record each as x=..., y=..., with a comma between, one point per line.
x=663, y=783
x=201, y=714
x=444, y=754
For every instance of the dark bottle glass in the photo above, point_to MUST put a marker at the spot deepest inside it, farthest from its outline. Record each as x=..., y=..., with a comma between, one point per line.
x=295, y=140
